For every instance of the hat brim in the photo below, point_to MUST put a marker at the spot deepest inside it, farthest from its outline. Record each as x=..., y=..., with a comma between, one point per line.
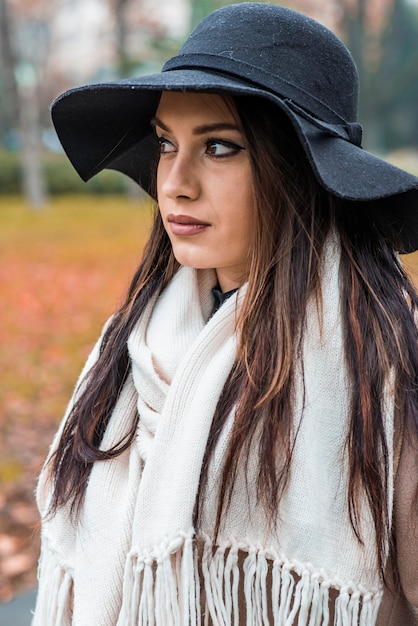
x=107, y=126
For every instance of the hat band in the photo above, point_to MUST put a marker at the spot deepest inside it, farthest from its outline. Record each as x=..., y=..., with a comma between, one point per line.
x=258, y=77
x=349, y=131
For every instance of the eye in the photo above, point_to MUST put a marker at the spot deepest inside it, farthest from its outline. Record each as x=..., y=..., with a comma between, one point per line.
x=220, y=148
x=165, y=146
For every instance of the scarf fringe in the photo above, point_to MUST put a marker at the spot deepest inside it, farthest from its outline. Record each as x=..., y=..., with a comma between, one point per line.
x=54, y=599
x=163, y=588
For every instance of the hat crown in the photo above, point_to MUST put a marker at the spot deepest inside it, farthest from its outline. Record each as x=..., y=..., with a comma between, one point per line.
x=252, y=49
x=279, y=49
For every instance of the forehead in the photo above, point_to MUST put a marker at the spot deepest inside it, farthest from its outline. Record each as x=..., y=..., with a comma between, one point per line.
x=184, y=106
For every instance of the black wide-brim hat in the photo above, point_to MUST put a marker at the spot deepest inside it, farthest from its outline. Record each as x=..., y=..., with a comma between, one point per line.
x=252, y=49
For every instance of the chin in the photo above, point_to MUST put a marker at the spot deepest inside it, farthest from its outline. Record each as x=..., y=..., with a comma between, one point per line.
x=192, y=261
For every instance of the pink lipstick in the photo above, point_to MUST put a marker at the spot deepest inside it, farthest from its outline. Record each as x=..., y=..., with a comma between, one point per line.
x=186, y=225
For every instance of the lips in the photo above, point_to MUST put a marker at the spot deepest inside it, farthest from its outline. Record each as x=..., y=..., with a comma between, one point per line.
x=186, y=225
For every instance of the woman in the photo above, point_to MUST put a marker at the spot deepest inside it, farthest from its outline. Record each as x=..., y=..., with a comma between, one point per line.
x=242, y=445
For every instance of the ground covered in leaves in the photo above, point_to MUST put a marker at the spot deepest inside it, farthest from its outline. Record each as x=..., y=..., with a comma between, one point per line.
x=63, y=271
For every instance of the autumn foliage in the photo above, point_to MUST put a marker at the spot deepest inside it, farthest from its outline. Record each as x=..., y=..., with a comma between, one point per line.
x=63, y=271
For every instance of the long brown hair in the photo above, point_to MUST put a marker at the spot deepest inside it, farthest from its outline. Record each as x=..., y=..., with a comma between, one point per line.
x=294, y=215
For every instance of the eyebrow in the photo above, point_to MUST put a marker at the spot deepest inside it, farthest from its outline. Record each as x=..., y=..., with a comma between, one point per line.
x=199, y=130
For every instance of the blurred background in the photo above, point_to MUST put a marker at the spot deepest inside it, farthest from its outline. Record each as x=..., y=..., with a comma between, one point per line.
x=67, y=248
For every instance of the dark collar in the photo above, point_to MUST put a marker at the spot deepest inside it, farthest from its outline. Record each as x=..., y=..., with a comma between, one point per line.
x=220, y=297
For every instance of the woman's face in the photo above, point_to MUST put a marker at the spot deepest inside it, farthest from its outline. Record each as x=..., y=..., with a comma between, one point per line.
x=204, y=184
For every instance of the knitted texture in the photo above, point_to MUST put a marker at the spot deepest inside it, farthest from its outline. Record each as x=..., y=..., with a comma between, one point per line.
x=134, y=558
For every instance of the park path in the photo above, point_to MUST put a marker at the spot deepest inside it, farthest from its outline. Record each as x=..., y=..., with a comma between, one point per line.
x=18, y=612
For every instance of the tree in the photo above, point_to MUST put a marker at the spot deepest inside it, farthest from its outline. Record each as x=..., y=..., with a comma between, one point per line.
x=20, y=77
x=382, y=39
x=395, y=78
x=10, y=95
x=121, y=36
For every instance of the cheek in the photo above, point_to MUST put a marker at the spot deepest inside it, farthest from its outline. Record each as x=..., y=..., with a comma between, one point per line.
x=161, y=201
x=162, y=173
x=236, y=191
x=244, y=204
x=158, y=180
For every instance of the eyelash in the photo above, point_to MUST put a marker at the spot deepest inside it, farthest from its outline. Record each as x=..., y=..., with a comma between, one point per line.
x=232, y=147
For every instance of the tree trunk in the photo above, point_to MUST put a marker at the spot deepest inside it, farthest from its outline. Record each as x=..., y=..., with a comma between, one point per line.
x=23, y=109
x=8, y=62
x=33, y=180
x=120, y=26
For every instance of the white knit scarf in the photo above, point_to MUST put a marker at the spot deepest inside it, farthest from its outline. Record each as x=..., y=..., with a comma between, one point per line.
x=134, y=558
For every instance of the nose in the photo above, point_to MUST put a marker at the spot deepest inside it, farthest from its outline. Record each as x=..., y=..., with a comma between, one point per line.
x=177, y=177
